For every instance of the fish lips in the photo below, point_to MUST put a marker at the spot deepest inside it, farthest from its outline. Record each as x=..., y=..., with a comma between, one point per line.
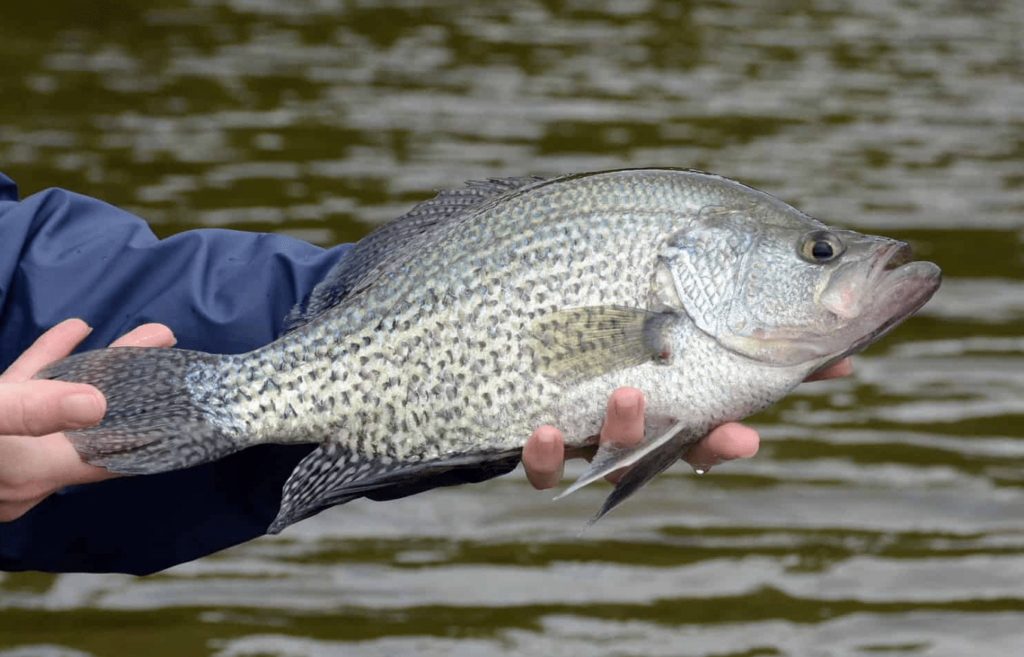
x=904, y=287
x=899, y=287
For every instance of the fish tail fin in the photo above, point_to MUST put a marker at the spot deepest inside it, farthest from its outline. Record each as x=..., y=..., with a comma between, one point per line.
x=159, y=415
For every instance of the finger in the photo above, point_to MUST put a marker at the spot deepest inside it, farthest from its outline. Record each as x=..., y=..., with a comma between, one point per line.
x=623, y=422
x=65, y=466
x=45, y=465
x=727, y=442
x=624, y=418
x=53, y=345
x=36, y=408
x=11, y=511
x=543, y=458
x=833, y=371
x=147, y=335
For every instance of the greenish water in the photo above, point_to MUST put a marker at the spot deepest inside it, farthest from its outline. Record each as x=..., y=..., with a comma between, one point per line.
x=884, y=514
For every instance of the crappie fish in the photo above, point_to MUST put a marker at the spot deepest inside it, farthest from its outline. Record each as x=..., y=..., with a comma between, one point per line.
x=440, y=341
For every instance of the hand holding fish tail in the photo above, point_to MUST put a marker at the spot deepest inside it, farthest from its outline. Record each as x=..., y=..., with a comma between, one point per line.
x=36, y=459
x=544, y=456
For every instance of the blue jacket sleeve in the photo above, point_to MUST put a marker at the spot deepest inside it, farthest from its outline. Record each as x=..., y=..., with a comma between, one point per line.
x=65, y=255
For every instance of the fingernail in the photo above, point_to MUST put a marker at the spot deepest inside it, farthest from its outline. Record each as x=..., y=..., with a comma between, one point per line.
x=625, y=407
x=81, y=409
x=88, y=329
x=150, y=338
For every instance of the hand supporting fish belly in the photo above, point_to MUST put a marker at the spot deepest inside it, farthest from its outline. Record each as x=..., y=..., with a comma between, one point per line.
x=445, y=336
x=543, y=454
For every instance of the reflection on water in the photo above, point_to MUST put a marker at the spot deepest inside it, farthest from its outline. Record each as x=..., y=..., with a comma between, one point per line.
x=882, y=515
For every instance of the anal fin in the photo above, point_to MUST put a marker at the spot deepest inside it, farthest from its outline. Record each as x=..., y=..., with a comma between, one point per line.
x=333, y=475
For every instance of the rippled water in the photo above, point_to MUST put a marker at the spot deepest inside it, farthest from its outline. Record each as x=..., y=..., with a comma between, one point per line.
x=883, y=515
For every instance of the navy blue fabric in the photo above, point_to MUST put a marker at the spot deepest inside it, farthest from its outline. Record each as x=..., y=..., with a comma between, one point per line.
x=65, y=255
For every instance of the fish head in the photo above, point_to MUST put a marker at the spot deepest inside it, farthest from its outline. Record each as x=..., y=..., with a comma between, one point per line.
x=777, y=286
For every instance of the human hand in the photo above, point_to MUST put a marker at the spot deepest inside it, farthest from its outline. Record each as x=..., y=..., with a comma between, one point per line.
x=544, y=452
x=35, y=458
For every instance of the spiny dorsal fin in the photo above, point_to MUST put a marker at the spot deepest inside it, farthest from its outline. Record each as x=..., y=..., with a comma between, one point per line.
x=582, y=343
x=393, y=238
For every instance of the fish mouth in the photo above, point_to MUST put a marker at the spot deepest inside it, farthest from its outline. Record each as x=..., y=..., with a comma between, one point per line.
x=902, y=286
x=901, y=255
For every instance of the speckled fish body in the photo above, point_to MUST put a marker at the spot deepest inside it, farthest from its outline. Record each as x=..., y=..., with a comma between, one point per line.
x=443, y=339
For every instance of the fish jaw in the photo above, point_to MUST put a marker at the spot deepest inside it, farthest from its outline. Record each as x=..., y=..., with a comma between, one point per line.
x=895, y=288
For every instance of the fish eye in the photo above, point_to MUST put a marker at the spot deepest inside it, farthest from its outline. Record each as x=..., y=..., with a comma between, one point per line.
x=822, y=250
x=821, y=246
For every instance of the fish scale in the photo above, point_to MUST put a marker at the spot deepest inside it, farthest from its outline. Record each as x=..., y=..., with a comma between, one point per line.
x=435, y=346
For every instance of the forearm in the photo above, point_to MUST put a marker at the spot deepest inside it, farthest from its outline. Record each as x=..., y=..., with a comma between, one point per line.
x=64, y=255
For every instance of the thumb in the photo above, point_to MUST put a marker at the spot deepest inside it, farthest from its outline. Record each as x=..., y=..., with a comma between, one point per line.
x=38, y=408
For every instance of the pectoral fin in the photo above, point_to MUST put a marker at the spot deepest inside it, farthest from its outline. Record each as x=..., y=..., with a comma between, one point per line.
x=582, y=343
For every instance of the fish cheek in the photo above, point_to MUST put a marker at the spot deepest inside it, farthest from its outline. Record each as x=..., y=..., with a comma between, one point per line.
x=776, y=318
x=772, y=296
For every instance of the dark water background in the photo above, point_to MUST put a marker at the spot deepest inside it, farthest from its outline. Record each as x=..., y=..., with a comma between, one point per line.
x=884, y=514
